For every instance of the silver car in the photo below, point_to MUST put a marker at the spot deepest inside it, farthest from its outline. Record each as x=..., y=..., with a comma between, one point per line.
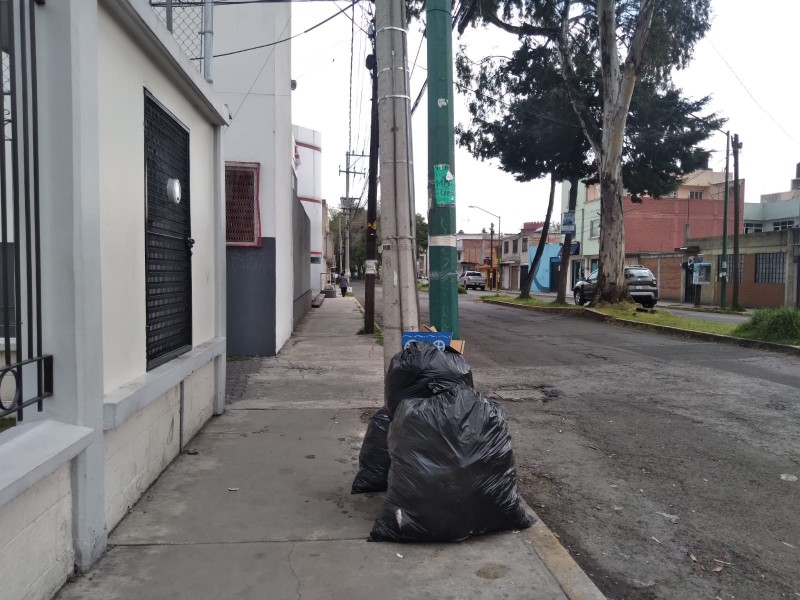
x=472, y=279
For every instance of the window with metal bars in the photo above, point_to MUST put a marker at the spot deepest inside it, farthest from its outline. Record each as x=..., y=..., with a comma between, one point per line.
x=729, y=262
x=243, y=221
x=771, y=267
x=168, y=242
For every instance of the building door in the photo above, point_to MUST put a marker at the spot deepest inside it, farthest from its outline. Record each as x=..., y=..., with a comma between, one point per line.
x=688, y=287
x=577, y=272
x=555, y=273
x=168, y=243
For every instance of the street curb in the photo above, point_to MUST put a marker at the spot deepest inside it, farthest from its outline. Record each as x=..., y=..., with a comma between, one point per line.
x=572, y=580
x=589, y=313
x=719, y=311
x=378, y=329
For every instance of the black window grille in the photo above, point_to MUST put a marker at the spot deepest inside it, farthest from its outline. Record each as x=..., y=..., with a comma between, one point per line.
x=168, y=242
x=242, y=218
x=771, y=267
x=729, y=260
x=26, y=374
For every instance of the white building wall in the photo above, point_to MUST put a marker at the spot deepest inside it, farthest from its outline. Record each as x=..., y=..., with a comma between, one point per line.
x=138, y=451
x=257, y=88
x=309, y=190
x=36, y=539
x=125, y=71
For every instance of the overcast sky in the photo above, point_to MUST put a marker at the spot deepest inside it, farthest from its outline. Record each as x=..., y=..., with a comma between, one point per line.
x=759, y=47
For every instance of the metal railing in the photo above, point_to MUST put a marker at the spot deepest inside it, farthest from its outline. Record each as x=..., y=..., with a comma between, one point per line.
x=26, y=374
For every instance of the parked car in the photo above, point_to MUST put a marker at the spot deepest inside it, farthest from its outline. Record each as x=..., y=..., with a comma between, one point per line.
x=472, y=279
x=642, y=286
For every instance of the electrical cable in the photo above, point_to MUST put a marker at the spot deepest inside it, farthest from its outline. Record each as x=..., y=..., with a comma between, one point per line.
x=291, y=37
x=749, y=93
x=261, y=70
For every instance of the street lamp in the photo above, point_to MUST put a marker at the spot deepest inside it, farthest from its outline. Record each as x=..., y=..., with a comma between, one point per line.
x=499, y=245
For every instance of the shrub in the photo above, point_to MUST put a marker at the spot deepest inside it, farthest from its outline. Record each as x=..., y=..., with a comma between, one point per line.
x=462, y=289
x=772, y=325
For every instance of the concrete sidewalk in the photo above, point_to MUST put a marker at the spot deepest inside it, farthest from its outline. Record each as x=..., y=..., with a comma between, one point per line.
x=259, y=505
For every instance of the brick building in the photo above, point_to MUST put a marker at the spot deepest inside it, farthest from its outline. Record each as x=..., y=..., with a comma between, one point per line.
x=655, y=227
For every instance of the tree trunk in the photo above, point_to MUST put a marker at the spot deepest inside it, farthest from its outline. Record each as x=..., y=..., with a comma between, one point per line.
x=525, y=288
x=611, y=270
x=563, y=266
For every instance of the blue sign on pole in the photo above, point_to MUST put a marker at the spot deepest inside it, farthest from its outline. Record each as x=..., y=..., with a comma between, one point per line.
x=440, y=339
x=568, y=222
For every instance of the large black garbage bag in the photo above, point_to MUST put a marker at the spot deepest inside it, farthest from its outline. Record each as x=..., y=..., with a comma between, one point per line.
x=421, y=371
x=373, y=460
x=452, y=473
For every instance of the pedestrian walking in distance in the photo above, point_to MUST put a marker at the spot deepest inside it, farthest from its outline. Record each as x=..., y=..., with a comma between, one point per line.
x=343, y=283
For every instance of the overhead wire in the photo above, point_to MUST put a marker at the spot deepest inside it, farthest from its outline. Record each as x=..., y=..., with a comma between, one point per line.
x=266, y=60
x=291, y=37
x=749, y=93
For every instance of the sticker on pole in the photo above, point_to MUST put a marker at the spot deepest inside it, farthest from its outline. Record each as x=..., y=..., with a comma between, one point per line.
x=440, y=339
x=444, y=185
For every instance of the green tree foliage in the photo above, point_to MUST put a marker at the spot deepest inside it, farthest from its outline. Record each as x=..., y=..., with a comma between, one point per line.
x=522, y=116
x=422, y=235
x=599, y=49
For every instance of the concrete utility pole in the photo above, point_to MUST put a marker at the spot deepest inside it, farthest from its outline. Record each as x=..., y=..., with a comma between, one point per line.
x=737, y=145
x=725, y=266
x=441, y=169
x=401, y=304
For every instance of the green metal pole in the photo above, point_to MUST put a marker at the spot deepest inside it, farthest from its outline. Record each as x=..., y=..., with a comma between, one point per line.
x=724, y=291
x=441, y=169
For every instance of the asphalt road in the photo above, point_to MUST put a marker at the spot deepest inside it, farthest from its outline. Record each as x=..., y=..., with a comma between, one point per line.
x=668, y=467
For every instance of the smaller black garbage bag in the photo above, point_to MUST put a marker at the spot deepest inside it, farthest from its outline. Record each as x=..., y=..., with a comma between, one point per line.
x=452, y=471
x=421, y=370
x=373, y=460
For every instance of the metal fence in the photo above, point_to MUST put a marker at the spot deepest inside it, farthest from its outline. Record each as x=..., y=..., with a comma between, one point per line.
x=184, y=19
x=26, y=374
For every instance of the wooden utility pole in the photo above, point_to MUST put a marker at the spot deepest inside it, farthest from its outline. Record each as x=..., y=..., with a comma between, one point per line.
x=737, y=145
x=725, y=266
x=372, y=202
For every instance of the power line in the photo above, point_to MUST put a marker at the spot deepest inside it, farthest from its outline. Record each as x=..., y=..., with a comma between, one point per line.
x=350, y=103
x=266, y=60
x=291, y=37
x=758, y=104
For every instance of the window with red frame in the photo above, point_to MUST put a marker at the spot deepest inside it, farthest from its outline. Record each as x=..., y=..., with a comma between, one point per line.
x=242, y=217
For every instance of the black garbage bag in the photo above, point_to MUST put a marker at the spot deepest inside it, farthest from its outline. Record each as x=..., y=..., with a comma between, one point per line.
x=421, y=371
x=373, y=460
x=452, y=474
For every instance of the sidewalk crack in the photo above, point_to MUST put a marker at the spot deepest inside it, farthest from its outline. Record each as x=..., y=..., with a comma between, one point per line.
x=294, y=573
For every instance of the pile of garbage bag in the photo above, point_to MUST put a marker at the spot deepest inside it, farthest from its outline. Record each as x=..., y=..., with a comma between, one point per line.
x=450, y=472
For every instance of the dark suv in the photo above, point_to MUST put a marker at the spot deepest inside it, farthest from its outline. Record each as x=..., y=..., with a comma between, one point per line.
x=642, y=286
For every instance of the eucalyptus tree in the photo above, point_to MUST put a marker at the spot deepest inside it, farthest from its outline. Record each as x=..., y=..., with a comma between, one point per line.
x=601, y=49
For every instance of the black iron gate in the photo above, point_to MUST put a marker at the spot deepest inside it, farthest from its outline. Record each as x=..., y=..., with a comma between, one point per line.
x=168, y=243
x=26, y=374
